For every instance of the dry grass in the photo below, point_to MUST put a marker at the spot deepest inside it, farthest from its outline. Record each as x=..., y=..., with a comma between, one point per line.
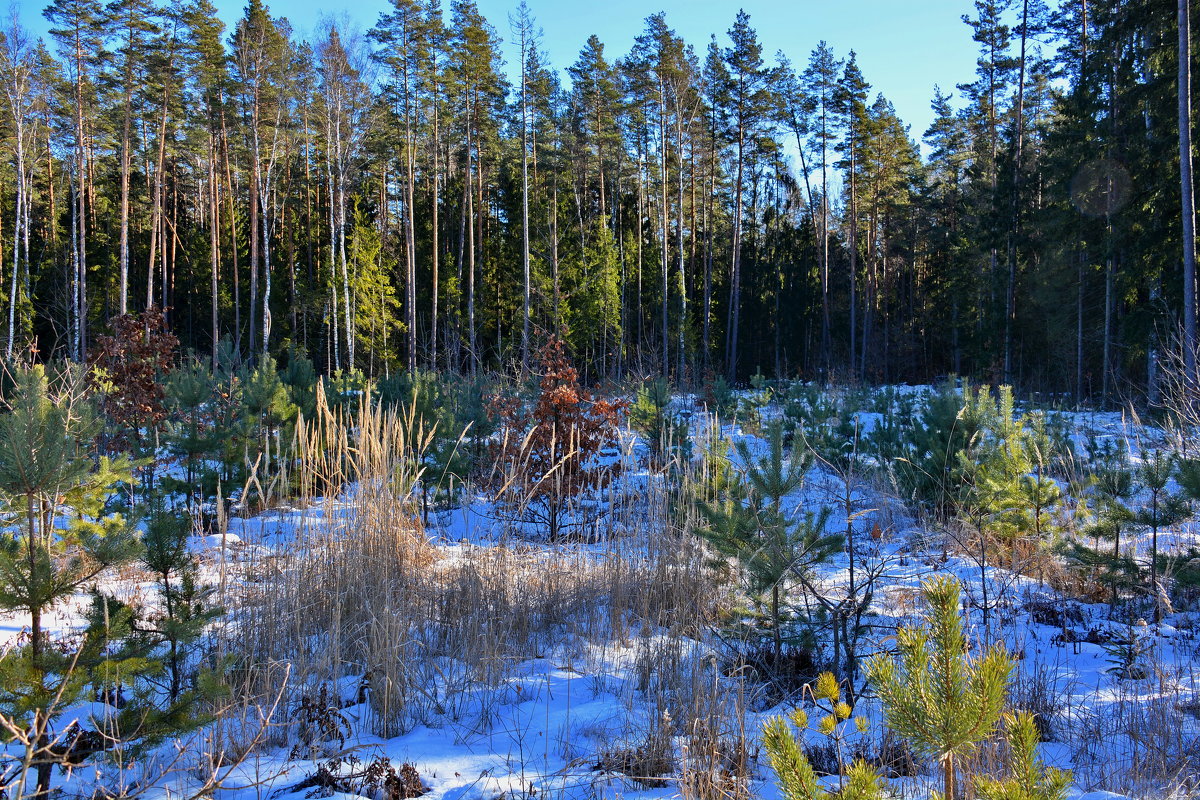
x=364, y=601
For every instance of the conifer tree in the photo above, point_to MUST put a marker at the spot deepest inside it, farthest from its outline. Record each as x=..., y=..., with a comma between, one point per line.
x=1111, y=488
x=996, y=464
x=47, y=559
x=1163, y=509
x=986, y=95
x=476, y=89
x=786, y=753
x=260, y=60
x=42, y=462
x=24, y=94
x=267, y=410
x=210, y=73
x=187, y=607
x=132, y=24
x=820, y=85
x=747, y=107
x=772, y=544
x=991, y=466
x=929, y=470
x=954, y=265
x=374, y=302
x=191, y=436
x=78, y=32
x=1029, y=778
x=935, y=695
x=1041, y=493
x=404, y=52
x=429, y=406
x=851, y=106
x=593, y=288
x=1186, y=185
x=650, y=415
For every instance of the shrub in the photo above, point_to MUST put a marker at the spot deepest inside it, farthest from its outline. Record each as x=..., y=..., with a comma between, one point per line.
x=126, y=368
x=548, y=452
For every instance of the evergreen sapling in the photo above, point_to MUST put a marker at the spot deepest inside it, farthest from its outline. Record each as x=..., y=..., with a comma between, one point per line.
x=935, y=696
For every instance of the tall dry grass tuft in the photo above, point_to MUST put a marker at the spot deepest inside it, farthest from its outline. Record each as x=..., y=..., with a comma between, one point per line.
x=364, y=602
x=334, y=603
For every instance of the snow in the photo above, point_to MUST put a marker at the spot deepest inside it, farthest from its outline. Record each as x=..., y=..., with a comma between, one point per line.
x=543, y=730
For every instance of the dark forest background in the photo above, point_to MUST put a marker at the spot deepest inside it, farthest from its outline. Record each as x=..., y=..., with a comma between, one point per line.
x=400, y=199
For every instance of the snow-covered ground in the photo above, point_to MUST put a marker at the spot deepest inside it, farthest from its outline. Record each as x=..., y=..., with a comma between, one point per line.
x=571, y=721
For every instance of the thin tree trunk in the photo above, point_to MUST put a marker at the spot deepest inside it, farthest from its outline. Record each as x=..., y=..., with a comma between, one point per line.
x=1010, y=301
x=156, y=237
x=662, y=178
x=214, y=210
x=1187, y=190
x=853, y=257
x=524, y=204
x=410, y=229
x=469, y=177
x=123, y=256
x=735, y=278
x=80, y=211
x=434, y=254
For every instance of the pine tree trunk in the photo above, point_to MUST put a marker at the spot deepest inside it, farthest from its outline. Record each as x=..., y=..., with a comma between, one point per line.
x=81, y=177
x=735, y=292
x=123, y=255
x=1010, y=301
x=826, y=324
x=253, y=237
x=680, y=244
x=1187, y=191
x=469, y=178
x=214, y=211
x=434, y=254
x=853, y=260
x=410, y=229
x=157, y=239
x=525, y=206
x=664, y=230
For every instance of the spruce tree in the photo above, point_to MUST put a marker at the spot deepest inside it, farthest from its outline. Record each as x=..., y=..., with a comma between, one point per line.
x=267, y=411
x=936, y=696
x=428, y=404
x=650, y=415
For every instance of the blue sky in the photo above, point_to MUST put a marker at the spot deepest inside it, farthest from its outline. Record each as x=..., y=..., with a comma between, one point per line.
x=903, y=47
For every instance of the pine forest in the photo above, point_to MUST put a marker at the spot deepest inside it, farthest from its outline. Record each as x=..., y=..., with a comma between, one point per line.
x=389, y=411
